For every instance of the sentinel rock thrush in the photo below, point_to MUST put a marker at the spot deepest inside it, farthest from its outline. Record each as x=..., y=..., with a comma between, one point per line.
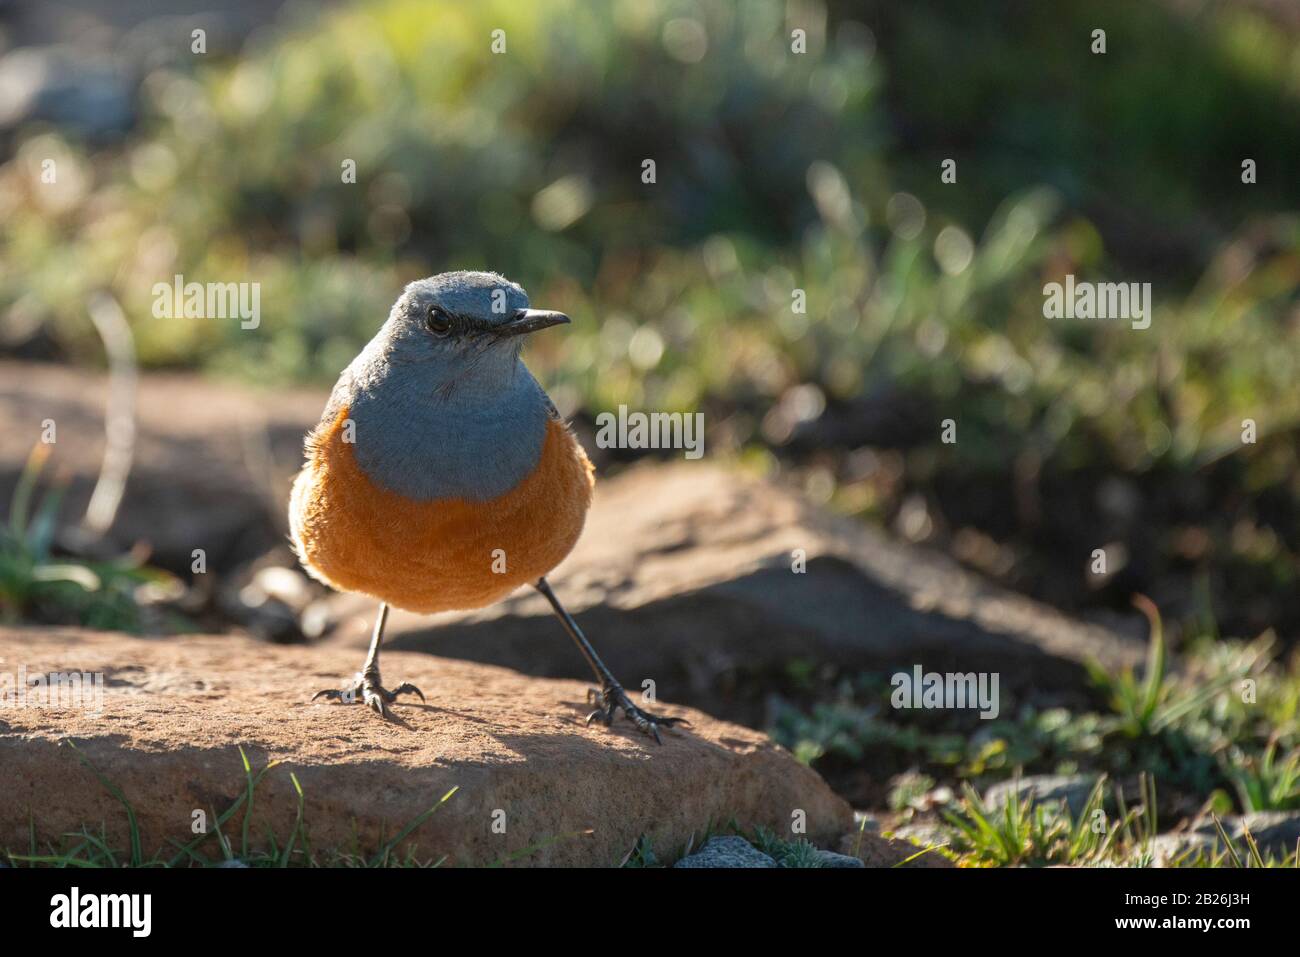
x=441, y=477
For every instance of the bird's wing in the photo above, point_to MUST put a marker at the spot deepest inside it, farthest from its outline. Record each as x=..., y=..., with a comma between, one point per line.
x=551, y=410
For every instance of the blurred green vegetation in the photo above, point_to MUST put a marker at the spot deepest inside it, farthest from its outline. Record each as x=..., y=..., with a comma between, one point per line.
x=37, y=585
x=1199, y=732
x=776, y=172
x=1220, y=737
x=1146, y=140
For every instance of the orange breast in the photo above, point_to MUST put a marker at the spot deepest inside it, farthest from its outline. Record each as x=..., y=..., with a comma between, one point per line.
x=440, y=555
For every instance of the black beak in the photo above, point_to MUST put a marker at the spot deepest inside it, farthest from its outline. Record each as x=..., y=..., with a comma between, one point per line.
x=530, y=320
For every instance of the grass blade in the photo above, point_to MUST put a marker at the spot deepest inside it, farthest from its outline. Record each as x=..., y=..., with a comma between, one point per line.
x=387, y=849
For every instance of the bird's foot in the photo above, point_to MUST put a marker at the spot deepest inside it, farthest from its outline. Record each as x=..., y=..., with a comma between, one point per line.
x=612, y=697
x=367, y=690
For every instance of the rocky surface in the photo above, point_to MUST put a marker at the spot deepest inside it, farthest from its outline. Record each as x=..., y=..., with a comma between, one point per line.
x=175, y=712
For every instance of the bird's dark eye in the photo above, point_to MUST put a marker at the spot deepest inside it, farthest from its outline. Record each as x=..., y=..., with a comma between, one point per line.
x=437, y=320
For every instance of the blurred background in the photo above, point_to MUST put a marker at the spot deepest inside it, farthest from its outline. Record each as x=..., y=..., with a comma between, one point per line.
x=775, y=171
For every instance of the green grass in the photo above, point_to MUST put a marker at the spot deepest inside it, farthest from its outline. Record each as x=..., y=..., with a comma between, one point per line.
x=1022, y=833
x=642, y=854
x=1232, y=853
x=1156, y=703
x=1220, y=730
x=1264, y=783
x=799, y=853
x=1195, y=728
x=38, y=585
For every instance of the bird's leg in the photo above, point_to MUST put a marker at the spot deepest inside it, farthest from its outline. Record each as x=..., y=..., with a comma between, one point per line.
x=611, y=695
x=366, y=686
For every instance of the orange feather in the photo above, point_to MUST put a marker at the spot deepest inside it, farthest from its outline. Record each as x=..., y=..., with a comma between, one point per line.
x=439, y=555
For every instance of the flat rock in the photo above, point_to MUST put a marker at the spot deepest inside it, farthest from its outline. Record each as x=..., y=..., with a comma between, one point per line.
x=174, y=713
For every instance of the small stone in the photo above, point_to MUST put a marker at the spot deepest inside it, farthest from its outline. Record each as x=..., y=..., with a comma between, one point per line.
x=866, y=822
x=65, y=87
x=831, y=859
x=727, y=852
x=1043, y=789
x=922, y=833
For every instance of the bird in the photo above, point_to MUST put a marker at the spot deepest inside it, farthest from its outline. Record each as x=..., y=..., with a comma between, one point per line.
x=441, y=476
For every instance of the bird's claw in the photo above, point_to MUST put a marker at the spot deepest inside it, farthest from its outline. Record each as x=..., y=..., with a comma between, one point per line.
x=611, y=698
x=371, y=693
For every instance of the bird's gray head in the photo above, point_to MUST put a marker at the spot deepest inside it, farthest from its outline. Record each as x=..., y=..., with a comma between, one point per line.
x=462, y=328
